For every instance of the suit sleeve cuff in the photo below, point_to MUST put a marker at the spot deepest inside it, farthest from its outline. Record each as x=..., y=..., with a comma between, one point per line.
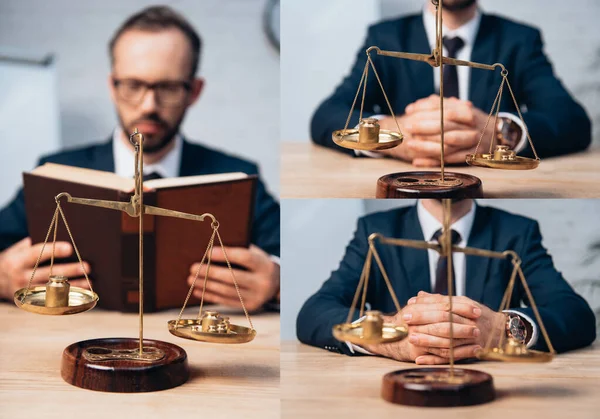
x=523, y=141
x=535, y=333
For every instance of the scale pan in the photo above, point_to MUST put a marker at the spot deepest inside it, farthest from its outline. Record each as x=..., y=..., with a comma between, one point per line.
x=349, y=138
x=80, y=300
x=354, y=333
x=487, y=160
x=496, y=354
x=186, y=329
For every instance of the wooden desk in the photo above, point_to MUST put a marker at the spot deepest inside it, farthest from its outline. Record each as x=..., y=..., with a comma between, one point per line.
x=309, y=171
x=227, y=381
x=319, y=384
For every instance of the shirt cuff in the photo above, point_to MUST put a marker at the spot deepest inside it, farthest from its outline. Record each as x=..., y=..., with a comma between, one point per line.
x=372, y=154
x=523, y=142
x=275, y=259
x=534, y=327
x=355, y=348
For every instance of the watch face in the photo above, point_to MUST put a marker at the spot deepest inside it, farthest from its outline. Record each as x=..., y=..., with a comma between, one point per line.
x=517, y=329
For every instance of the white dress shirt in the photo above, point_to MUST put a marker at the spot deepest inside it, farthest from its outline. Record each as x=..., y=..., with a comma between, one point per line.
x=468, y=33
x=124, y=158
x=429, y=225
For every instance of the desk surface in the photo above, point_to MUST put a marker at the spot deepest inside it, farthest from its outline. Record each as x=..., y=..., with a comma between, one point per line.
x=319, y=384
x=227, y=381
x=309, y=171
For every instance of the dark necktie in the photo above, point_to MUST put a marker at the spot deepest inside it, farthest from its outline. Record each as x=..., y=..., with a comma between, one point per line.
x=152, y=176
x=441, y=271
x=453, y=45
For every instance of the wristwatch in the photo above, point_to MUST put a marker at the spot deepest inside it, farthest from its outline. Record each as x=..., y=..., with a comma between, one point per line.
x=508, y=132
x=515, y=328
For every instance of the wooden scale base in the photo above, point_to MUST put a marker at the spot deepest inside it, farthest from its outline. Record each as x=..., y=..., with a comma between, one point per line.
x=429, y=185
x=434, y=387
x=108, y=365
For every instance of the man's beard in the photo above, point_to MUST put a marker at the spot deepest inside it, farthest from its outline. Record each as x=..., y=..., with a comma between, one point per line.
x=458, y=5
x=152, y=145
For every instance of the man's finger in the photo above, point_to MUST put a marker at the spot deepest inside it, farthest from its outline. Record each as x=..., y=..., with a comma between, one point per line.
x=419, y=339
x=432, y=102
x=460, y=352
x=80, y=283
x=222, y=274
x=218, y=299
x=22, y=244
x=70, y=270
x=430, y=360
x=458, y=156
x=63, y=250
x=460, y=331
x=216, y=287
x=459, y=139
x=237, y=255
x=426, y=298
x=466, y=309
x=427, y=317
x=422, y=148
x=428, y=123
x=426, y=162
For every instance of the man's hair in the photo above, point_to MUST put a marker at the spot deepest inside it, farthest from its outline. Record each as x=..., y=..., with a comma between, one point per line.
x=156, y=19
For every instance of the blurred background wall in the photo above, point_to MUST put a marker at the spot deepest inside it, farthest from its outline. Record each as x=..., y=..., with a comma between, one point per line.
x=238, y=111
x=315, y=233
x=321, y=44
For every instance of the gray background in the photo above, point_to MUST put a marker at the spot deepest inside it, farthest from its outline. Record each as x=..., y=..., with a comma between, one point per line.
x=315, y=233
x=237, y=112
x=333, y=31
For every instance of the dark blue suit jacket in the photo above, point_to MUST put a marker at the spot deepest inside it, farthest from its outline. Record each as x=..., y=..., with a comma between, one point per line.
x=568, y=319
x=557, y=124
x=195, y=160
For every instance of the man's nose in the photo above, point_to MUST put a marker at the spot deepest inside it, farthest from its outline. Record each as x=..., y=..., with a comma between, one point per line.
x=149, y=102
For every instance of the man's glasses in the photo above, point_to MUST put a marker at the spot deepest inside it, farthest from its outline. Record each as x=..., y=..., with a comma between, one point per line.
x=167, y=93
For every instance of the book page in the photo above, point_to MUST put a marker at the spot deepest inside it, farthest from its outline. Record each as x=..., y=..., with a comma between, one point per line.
x=194, y=180
x=90, y=177
x=110, y=180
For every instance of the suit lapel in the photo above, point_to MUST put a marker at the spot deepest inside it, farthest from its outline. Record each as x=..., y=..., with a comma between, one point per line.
x=477, y=266
x=420, y=75
x=414, y=262
x=103, y=158
x=485, y=51
x=191, y=163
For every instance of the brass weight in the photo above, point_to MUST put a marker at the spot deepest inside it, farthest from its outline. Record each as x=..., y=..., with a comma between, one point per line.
x=57, y=291
x=368, y=131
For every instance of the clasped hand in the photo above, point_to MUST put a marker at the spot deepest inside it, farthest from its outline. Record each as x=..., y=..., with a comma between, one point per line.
x=428, y=319
x=420, y=124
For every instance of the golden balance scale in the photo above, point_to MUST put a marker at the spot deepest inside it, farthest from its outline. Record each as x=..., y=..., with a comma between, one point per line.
x=368, y=136
x=129, y=365
x=441, y=387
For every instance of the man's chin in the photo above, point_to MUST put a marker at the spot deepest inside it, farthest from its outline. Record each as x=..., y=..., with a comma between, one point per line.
x=151, y=147
x=155, y=143
x=459, y=5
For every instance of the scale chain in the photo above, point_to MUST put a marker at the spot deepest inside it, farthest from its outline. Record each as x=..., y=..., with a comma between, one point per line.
x=237, y=288
x=189, y=294
x=40, y=255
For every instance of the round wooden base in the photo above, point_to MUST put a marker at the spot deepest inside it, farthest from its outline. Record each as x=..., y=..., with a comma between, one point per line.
x=428, y=185
x=124, y=375
x=433, y=387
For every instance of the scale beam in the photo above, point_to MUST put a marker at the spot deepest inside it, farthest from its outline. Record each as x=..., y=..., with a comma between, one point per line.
x=132, y=210
x=433, y=61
